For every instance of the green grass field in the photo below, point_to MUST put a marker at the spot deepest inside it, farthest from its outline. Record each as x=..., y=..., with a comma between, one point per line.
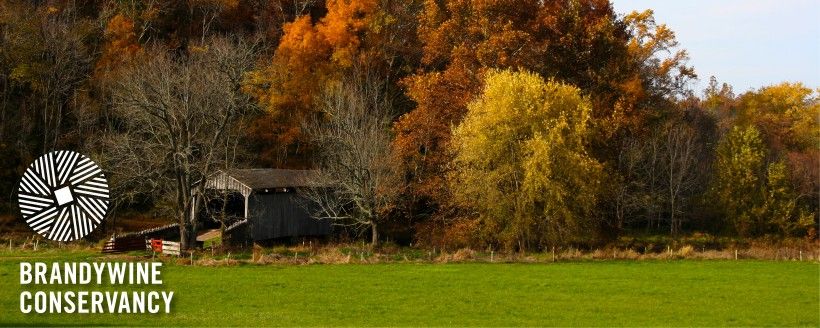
x=606, y=293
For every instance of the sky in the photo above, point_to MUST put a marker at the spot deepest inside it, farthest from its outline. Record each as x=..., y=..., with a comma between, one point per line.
x=746, y=43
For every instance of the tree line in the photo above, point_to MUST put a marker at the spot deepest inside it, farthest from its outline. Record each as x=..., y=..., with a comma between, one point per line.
x=516, y=125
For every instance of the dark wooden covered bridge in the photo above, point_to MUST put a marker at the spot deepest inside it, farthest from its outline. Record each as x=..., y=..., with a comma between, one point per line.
x=271, y=208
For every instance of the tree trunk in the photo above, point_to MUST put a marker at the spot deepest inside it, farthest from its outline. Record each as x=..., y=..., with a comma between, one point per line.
x=193, y=220
x=374, y=234
x=672, y=215
x=184, y=236
x=193, y=233
x=185, y=225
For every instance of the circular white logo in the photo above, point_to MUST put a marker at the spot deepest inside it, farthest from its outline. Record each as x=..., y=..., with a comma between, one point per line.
x=63, y=195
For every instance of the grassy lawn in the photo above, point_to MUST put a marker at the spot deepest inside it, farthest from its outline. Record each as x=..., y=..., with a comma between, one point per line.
x=608, y=293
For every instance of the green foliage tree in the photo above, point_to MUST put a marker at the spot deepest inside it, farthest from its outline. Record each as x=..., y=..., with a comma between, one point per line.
x=757, y=198
x=780, y=210
x=784, y=118
x=521, y=161
x=740, y=161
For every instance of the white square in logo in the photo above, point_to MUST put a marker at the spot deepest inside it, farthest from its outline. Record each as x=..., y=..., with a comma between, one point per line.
x=63, y=195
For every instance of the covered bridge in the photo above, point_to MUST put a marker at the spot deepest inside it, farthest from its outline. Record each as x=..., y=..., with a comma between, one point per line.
x=271, y=207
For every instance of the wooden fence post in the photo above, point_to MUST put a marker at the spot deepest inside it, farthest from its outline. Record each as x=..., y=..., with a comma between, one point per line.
x=735, y=254
x=553, y=253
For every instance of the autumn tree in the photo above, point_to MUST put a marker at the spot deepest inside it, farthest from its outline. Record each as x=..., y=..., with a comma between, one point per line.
x=780, y=209
x=355, y=181
x=786, y=116
x=662, y=67
x=617, y=63
x=663, y=174
x=740, y=164
x=175, y=120
x=181, y=25
x=756, y=200
x=680, y=156
x=122, y=42
x=47, y=56
x=309, y=55
x=522, y=163
x=461, y=39
x=276, y=14
x=717, y=96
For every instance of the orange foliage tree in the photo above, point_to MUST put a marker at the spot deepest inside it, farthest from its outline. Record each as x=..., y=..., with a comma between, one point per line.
x=121, y=43
x=579, y=41
x=308, y=56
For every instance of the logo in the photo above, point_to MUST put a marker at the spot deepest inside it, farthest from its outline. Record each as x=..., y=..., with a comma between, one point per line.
x=63, y=195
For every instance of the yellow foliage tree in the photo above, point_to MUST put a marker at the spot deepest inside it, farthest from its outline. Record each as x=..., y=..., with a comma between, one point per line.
x=521, y=161
x=788, y=115
x=780, y=209
x=740, y=163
